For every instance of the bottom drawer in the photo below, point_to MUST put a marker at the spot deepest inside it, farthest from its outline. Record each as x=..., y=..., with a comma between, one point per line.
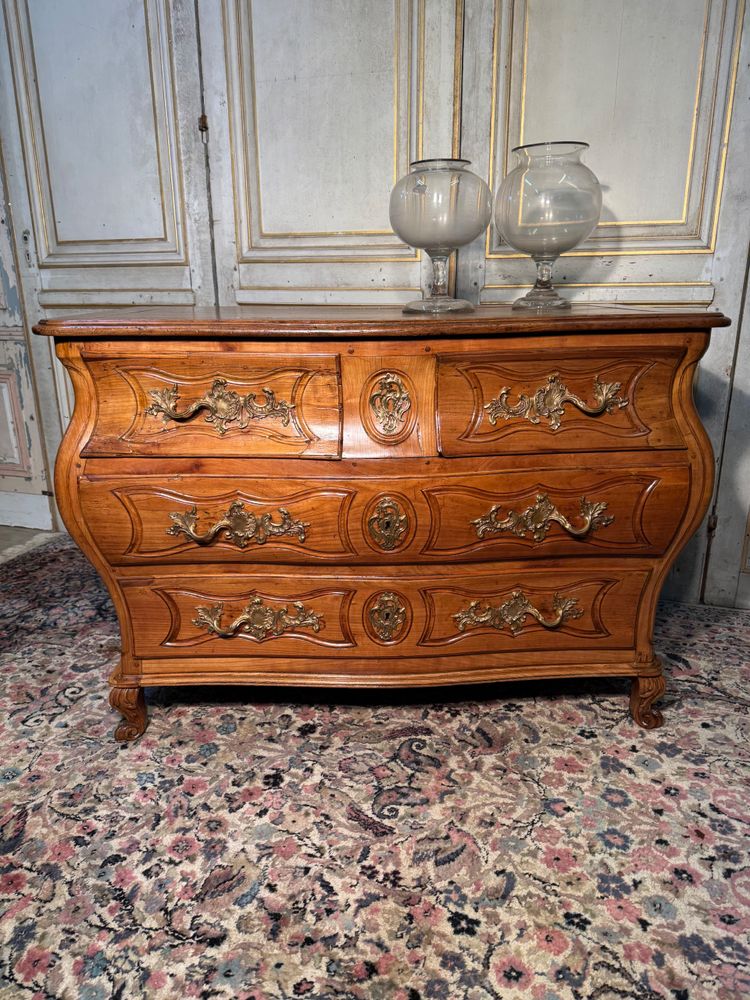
x=396, y=614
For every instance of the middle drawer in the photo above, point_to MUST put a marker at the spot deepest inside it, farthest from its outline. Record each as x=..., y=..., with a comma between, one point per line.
x=631, y=510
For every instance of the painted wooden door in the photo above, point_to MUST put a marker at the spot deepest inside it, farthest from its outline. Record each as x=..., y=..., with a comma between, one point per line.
x=105, y=166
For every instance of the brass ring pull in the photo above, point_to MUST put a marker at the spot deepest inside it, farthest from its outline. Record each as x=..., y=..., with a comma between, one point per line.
x=549, y=402
x=513, y=613
x=536, y=520
x=258, y=620
x=224, y=405
x=241, y=526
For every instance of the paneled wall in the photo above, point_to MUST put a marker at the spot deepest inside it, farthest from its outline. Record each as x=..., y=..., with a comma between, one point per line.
x=23, y=481
x=650, y=85
x=315, y=110
x=234, y=151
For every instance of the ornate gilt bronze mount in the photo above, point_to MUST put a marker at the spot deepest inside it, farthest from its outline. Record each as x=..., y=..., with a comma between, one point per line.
x=536, y=520
x=241, y=526
x=225, y=407
x=258, y=620
x=388, y=523
x=513, y=613
x=390, y=403
x=549, y=402
x=387, y=616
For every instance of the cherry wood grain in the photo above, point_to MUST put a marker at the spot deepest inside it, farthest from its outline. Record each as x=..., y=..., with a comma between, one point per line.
x=430, y=546
x=601, y=596
x=302, y=416
x=640, y=414
x=315, y=322
x=139, y=519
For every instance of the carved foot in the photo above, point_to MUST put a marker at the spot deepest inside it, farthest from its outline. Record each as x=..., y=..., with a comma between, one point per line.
x=131, y=704
x=643, y=693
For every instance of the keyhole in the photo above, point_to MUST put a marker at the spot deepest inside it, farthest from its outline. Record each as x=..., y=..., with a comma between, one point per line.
x=387, y=615
x=387, y=524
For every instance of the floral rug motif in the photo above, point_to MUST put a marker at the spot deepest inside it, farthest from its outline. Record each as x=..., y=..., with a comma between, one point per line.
x=524, y=841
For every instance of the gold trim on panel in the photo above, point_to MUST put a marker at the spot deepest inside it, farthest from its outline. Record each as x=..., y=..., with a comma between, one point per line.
x=458, y=65
x=329, y=288
x=237, y=75
x=302, y=234
x=703, y=250
x=43, y=199
x=612, y=284
x=420, y=77
x=244, y=233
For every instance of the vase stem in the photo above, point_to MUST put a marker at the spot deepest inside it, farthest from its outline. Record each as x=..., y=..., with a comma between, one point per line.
x=544, y=274
x=439, y=275
x=543, y=297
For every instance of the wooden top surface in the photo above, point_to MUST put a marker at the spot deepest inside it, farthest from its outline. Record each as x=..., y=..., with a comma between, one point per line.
x=365, y=321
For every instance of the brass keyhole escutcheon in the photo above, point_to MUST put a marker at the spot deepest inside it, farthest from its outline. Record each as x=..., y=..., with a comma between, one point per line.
x=387, y=617
x=388, y=524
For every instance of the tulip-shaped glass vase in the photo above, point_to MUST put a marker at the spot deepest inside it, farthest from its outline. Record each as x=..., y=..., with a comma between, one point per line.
x=437, y=207
x=548, y=204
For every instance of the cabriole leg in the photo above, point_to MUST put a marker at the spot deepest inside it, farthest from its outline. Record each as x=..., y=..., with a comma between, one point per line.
x=131, y=704
x=643, y=693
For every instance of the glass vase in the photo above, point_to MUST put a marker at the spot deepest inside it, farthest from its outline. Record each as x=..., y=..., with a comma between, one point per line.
x=437, y=207
x=548, y=204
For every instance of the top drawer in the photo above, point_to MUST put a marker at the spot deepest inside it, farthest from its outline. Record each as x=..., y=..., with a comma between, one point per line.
x=563, y=401
x=217, y=405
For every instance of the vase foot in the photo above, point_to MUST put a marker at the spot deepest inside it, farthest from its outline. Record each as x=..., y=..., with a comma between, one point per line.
x=542, y=300
x=438, y=304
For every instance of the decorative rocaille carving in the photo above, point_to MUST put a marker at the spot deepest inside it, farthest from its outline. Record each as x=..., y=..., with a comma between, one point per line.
x=242, y=526
x=390, y=403
x=537, y=518
x=388, y=523
x=387, y=616
x=513, y=613
x=549, y=402
x=225, y=407
x=644, y=691
x=131, y=704
x=258, y=620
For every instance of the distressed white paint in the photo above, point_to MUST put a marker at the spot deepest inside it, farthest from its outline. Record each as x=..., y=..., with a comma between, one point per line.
x=97, y=119
x=314, y=109
x=25, y=510
x=649, y=86
x=634, y=50
x=10, y=453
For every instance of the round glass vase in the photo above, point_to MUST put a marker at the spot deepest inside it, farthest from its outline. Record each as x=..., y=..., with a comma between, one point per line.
x=438, y=207
x=548, y=204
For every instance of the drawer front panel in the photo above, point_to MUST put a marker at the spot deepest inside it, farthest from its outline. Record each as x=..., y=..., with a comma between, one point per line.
x=174, y=520
x=633, y=510
x=629, y=511
x=254, y=406
x=385, y=614
x=389, y=406
x=495, y=404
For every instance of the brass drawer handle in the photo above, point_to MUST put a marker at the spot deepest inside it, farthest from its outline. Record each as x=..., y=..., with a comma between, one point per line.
x=514, y=611
x=549, y=402
x=258, y=620
x=241, y=526
x=224, y=405
x=537, y=519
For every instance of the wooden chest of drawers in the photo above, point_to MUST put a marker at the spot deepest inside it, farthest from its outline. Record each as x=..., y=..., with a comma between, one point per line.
x=352, y=497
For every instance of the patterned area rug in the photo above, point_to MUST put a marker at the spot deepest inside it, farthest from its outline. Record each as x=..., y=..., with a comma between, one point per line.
x=496, y=842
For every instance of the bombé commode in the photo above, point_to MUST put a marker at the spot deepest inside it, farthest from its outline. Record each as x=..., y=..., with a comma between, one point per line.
x=353, y=497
